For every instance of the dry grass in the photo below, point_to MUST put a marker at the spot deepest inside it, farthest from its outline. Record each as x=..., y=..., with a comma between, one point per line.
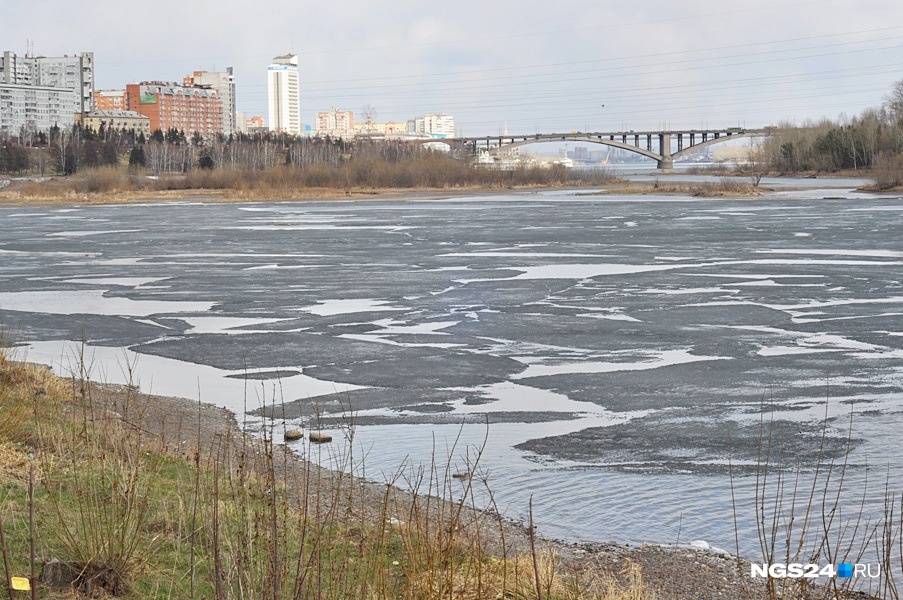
x=360, y=175
x=724, y=187
x=27, y=393
x=14, y=462
x=514, y=578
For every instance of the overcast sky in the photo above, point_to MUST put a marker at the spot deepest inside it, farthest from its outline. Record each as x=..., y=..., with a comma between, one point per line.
x=535, y=66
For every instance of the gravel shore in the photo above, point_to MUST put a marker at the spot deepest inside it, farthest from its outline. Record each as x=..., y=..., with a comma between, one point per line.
x=674, y=573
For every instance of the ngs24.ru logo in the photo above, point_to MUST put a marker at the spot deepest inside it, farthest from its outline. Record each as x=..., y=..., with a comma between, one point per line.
x=813, y=571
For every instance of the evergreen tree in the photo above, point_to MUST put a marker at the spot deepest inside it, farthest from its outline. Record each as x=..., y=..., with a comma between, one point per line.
x=136, y=157
x=205, y=161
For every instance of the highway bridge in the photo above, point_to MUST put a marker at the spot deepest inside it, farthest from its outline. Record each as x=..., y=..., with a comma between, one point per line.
x=662, y=146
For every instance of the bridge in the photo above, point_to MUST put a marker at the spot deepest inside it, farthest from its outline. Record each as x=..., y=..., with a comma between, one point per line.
x=657, y=145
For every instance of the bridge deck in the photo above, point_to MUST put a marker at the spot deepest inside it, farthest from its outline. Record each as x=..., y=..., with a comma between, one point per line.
x=640, y=142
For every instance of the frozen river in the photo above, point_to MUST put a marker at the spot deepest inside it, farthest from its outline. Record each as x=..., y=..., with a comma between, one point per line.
x=622, y=350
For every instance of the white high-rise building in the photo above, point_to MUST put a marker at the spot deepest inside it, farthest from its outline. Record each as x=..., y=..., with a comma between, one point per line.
x=74, y=73
x=27, y=109
x=284, y=95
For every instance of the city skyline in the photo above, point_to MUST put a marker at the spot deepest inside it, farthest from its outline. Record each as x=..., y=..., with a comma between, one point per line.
x=527, y=67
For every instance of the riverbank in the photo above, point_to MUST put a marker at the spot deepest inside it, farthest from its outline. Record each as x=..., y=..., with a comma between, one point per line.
x=207, y=437
x=362, y=177
x=686, y=572
x=12, y=197
x=104, y=189
x=723, y=189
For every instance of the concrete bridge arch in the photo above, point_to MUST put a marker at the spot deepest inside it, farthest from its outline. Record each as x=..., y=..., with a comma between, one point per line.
x=657, y=145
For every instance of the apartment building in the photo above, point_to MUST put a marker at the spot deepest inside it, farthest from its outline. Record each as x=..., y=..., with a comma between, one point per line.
x=27, y=109
x=224, y=84
x=388, y=129
x=75, y=72
x=436, y=125
x=117, y=120
x=109, y=100
x=335, y=123
x=169, y=105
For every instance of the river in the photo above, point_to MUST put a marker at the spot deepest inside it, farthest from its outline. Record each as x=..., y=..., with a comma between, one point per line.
x=621, y=356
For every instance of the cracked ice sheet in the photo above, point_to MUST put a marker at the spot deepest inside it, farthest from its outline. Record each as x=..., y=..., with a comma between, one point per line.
x=664, y=358
x=318, y=227
x=93, y=302
x=47, y=254
x=511, y=254
x=575, y=271
x=508, y=396
x=169, y=377
x=132, y=282
x=688, y=291
x=86, y=233
x=812, y=343
x=393, y=327
x=834, y=252
x=379, y=339
x=793, y=350
x=227, y=325
x=328, y=308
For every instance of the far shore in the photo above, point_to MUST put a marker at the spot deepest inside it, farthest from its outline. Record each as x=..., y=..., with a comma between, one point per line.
x=732, y=185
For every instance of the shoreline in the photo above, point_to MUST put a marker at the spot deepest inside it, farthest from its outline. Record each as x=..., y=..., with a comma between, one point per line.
x=736, y=187
x=192, y=430
x=673, y=572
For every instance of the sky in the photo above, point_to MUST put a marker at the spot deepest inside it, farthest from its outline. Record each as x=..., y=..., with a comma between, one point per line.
x=524, y=66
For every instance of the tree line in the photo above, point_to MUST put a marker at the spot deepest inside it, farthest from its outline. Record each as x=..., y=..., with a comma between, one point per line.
x=66, y=151
x=872, y=140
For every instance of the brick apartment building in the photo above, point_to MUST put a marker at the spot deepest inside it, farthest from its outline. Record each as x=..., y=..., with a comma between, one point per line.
x=168, y=105
x=109, y=100
x=224, y=84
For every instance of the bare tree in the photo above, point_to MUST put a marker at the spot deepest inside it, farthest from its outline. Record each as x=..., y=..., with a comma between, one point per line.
x=65, y=145
x=756, y=161
x=894, y=100
x=368, y=112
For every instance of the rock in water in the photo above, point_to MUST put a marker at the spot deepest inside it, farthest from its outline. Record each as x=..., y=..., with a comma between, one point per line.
x=320, y=438
x=293, y=434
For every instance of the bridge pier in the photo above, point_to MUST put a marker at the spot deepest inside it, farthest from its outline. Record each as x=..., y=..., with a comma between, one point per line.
x=664, y=148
